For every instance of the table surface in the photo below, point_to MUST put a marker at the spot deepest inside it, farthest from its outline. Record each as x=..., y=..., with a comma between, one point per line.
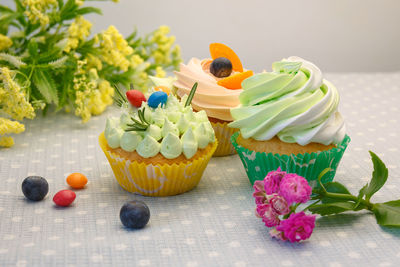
x=214, y=224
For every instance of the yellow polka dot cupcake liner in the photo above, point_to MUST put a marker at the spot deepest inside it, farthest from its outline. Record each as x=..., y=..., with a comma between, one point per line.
x=223, y=133
x=157, y=180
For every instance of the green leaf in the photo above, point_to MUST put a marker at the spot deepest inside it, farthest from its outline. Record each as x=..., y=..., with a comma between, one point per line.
x=4, y=9
x=332, y=208
x=60, y=3
x=33, y=48
x=13, y=60
x=361, y=194
x=53, y=54
x=388, y=213
x=8, y=18
x=379, y=176
x=20, y=7
x=46, y=85
x=68, y=10
x=58, y=63
x=88, y=10
x=334, y=187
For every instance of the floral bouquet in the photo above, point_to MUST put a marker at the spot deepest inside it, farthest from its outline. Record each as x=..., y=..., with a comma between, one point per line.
x=48, y=58
x=280, y=194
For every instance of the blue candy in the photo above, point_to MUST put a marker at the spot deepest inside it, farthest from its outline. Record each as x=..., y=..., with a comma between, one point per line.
x=157, y=98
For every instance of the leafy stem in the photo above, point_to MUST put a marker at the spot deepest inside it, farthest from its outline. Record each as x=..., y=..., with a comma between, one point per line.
x=334, y=198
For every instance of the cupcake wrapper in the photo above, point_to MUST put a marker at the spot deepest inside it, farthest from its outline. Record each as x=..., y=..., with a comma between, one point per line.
x=223, y=133
x=257, y=165
x=156, y=179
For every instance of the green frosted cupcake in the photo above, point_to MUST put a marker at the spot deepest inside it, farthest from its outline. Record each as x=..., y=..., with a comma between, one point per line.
x=289, y=118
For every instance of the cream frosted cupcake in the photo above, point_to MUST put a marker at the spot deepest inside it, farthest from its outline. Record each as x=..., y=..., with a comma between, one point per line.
x=289, y=118
x=161, y=148
x=219, y=88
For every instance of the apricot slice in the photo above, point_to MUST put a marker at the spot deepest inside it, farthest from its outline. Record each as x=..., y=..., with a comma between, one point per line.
x=220, y=50
x=163, y=88
x=235, y=81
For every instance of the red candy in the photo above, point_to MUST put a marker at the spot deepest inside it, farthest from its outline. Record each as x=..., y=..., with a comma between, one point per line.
x=64, y=198
x=135, y=97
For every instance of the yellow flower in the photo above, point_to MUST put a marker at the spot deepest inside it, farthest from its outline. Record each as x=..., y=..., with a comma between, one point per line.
x=160, y=72
x=36, y=10
x=136, y=60
x=115, y=48
x=94, y=62
x=6, y=141
x=5, y=42
x=8, y=126
x=79, y=30
x=12, y=98
x=92, y=95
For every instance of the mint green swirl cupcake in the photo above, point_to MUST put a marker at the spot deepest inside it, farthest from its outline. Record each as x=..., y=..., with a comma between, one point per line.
x=289, y=118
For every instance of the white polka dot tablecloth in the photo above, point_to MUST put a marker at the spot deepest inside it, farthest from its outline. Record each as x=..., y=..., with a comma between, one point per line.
x=214, y=224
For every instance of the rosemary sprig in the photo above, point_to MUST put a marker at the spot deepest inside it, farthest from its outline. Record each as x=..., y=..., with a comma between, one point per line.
x=120, y=98
x=191, y=94
x=138, y=125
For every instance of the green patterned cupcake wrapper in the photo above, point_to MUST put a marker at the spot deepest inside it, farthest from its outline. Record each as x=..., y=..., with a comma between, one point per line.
x=257, y=164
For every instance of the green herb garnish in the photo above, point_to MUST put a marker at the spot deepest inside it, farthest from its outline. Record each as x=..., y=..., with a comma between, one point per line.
x=191, y=94
x=120, y=98
x=138, y=125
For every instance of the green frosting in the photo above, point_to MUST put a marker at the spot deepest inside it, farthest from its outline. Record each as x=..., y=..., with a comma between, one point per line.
x=154, y=131
x=169, y=127
x=111, y=123
x=114, y=137
x=201, y=135
x=130, y=141
x=158, y=116
x=183, y=124
x=189, y=144
x=173, y=129
x=293, y=102
x=171, y=146
x=149, y=147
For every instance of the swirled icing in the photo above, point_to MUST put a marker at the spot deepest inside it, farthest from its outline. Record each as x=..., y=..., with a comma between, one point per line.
x=216, y=100
x=293, y=102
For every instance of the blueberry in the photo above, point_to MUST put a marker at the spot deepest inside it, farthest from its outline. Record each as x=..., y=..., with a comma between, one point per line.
x=157, y=98
x=221, y=67
x=134, y=214
x=35, y=188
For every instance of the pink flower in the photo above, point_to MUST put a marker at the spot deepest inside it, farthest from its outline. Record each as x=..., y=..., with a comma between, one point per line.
x=295, y=189
x=273, y=180
x=298, y=226
x=279, y=204
x=259, y=192
x=268, y=215
x=277, y=234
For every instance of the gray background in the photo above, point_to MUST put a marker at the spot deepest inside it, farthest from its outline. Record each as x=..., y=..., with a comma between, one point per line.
x=214, y=224
x=338, y=35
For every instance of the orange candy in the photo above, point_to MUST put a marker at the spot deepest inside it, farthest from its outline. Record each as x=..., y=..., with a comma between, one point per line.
x=220, y=50
x=235, y=81
x=163, y=88
x=77, y=180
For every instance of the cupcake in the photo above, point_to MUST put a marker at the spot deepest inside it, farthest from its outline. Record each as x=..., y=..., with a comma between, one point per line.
x=289, y=118
x=219, y=79
x=160, y=148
